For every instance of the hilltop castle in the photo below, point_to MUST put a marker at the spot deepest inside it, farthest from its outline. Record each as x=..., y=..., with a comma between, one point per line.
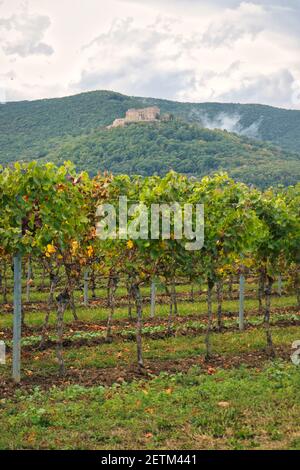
x=151, y=114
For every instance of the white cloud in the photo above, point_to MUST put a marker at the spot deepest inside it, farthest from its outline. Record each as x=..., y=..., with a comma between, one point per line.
x=228, y=122
x=247, y=20
x=209, y=50
x=22, y=34
x=276, y=89
x=136, y=60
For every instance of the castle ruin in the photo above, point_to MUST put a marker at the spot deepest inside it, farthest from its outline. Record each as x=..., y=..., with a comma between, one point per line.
x=151, y=114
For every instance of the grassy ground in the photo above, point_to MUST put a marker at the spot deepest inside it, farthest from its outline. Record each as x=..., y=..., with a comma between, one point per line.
x=95, y=313
x=116, y=354
x=231, y=409
x=239, y=400
x=37, y=295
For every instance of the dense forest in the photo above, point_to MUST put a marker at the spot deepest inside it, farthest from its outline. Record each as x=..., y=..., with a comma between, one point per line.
x=156, y=148
x=73, y=128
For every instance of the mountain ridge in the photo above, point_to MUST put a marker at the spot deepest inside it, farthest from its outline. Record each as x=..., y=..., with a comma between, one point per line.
x=41, y=129
x=158, y=147
x=152, y=99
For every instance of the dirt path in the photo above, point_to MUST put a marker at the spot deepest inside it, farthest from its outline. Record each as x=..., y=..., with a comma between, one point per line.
x=122, y=301
x=127, y=333
x=106, y=377
x=125, y=323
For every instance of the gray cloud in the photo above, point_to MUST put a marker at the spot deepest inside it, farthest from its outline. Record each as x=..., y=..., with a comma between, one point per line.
x=227, y=35
x=281, y=16
x=143, y=70
x=248, y=21
x=165, y=48
x=151, y=82
x=276, y=89
x=144, y=61
x=235, y=3
x=23, y=34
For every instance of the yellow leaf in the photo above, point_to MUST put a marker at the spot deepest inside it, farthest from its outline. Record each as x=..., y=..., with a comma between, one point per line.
x=130, y=244
x=90, y=251
x=51, y=248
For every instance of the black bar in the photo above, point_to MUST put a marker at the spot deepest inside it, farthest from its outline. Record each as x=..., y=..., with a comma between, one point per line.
x=143, y=458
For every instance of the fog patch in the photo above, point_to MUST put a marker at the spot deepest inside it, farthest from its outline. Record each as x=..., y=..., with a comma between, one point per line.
x=228, y=122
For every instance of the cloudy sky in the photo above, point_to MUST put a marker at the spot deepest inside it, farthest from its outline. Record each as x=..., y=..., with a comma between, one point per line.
x=187, y=50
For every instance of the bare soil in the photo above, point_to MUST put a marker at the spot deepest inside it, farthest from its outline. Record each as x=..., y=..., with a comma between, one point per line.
x=106, y=377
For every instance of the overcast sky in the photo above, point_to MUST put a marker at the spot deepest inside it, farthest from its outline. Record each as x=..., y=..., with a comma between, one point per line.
x=187, y=50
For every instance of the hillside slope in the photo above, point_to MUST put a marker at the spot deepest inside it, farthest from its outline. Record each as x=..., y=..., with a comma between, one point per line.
x=30, y=128
x=187, y=148
x=74, y=128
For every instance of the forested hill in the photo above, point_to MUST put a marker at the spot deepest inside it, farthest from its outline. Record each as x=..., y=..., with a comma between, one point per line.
x=46, y=128
x=27, y=125
x=146, y=149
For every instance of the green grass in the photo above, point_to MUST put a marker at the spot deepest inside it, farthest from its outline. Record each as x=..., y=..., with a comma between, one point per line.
x=101, y=291
x=128, y=331
x=116, y=354
x=232, y=409
x=36, y=318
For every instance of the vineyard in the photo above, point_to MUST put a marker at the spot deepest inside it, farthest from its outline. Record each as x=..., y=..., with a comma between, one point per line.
x=141, y=343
